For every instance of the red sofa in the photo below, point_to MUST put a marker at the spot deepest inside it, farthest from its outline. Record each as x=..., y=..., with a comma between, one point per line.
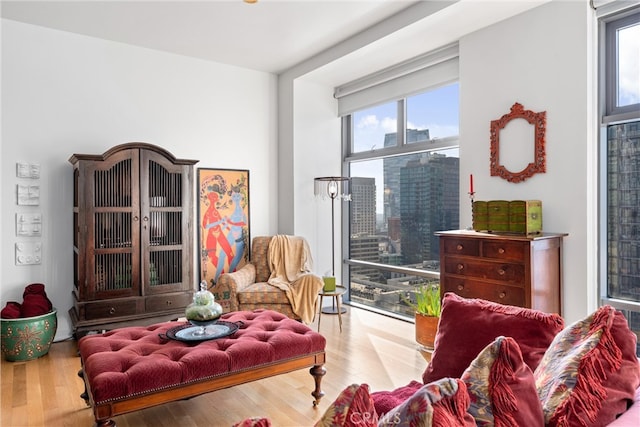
x=502, y=365
x=630, y=418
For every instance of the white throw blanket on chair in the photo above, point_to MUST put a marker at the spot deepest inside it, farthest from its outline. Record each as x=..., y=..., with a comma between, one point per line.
x=290, y=263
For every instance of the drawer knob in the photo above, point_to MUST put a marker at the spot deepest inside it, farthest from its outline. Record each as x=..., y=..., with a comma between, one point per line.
x=459, y=247
x=501, y=271
x=112, y=310
x=460, y=287
x=460, y=267
x=501, y=251
x=168, y=302
x=502, y=295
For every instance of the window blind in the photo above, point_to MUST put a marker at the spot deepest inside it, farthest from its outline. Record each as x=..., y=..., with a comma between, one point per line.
x=408, y=78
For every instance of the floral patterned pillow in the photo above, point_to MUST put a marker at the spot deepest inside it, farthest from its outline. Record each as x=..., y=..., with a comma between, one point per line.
x=353, y=408
x=501, y=387
x=441, y=403
x=589, y=373
x=254, y=422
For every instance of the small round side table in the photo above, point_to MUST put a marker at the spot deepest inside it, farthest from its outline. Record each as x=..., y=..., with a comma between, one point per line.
x=337, y=295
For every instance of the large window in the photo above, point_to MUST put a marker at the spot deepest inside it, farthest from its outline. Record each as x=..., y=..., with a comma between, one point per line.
x=620, y=139
x=404, y=167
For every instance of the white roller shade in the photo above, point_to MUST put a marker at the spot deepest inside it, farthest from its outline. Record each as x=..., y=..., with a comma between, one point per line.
x=414, y=76
x=607, y=7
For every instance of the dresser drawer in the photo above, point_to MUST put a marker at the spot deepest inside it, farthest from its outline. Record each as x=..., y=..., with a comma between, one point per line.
x=168, y=302
x=498, y=249
x=470, y=247
x=501, y=271
x=107, y=309
x=503, y=294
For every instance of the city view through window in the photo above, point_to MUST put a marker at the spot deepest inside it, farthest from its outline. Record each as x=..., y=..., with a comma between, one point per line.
x=401, y=196
x=621, y=167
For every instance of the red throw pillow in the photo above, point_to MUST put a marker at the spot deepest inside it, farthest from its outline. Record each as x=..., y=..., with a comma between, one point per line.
x=590, y=372
x=501, y=387
x=352, y=408
x=443, y=403
x=469, y=325
x=384, y=401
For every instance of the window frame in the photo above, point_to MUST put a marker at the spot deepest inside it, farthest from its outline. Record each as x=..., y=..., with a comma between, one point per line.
x=401, y=148
x=609, y=25
x=610, y=114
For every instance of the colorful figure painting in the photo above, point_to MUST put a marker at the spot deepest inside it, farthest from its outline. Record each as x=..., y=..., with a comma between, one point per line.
x=224, y=221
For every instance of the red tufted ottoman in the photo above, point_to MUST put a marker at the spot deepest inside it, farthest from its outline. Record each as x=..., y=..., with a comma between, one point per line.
x=133, y=368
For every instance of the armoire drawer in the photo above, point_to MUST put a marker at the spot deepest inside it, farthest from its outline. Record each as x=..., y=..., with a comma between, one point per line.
x=110, y=309
x=503, y=294
x=477, y=268
x=168, y=302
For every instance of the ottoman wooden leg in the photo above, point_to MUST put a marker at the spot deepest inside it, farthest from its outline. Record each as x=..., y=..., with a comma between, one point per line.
x=318, y=372
x=84, y=395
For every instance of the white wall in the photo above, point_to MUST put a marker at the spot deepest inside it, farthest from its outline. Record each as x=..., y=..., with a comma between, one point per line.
x=316, y=153
x=542, y=59
x=64, y=93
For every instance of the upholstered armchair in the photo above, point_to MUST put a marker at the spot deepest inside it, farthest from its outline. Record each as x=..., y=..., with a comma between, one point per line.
x=248, y=287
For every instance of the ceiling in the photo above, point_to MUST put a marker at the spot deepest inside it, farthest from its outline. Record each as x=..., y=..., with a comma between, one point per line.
x=275, y=35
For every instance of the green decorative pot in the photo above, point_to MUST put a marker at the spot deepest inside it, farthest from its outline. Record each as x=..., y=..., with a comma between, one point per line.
x=28, y=338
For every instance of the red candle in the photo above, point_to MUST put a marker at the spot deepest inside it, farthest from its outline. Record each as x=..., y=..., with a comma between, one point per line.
x=471, y=184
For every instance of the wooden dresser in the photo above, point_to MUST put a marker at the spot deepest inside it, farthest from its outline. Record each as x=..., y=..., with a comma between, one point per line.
x=520, y=270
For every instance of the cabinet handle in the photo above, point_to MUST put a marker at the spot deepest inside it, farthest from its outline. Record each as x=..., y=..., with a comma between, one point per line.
x=502, y=295
x=501, y=271
x=460, y=267
x=459, y=247
x=112, y=311
x=168, y=302
x=135, y=218
x=460, y=287
x=501, y=251
x=145, y=219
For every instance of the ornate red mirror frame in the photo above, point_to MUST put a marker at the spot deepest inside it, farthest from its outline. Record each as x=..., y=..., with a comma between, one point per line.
x=539, y=122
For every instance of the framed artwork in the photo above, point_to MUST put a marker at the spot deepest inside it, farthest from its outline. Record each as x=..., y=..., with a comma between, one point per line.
x=223, y=212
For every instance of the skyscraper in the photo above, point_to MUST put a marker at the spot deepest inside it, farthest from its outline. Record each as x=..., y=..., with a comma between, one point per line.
x=364, y=244
x=429, y=202
x=363, y=206
x=392, y=165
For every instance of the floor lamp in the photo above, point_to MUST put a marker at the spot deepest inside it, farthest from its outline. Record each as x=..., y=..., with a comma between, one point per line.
x=334, y=187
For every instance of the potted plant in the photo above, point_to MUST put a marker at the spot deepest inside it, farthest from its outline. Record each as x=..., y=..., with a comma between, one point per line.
x=427, y=308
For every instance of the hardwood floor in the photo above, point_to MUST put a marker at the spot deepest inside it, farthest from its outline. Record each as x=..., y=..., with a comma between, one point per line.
x=372, y=349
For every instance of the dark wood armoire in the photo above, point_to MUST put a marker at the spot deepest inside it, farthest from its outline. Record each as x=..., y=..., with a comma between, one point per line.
x=133, y=231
